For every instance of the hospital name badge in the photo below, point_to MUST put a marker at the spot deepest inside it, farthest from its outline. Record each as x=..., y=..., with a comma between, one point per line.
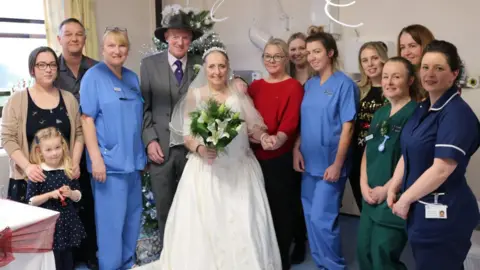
x=328, y=92
x=435, y=211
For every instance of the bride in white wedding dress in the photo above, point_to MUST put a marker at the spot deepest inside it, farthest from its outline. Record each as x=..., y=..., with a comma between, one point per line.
x=220, y=218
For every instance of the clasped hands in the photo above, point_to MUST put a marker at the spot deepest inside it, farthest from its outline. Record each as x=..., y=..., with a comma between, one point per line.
x=61, y=194
x=270, y=142
x=376, y=195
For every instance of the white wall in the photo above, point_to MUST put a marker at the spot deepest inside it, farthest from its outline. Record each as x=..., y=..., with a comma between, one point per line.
x=4, y=172
x=457, y=22
x=137, y=16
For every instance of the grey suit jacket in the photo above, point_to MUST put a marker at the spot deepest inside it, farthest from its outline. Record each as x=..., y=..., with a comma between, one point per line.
x=161, y=92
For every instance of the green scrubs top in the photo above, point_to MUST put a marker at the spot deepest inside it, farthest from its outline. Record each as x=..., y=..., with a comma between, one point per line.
x=382, y=157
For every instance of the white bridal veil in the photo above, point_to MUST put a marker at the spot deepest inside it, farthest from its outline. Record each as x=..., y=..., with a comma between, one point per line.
x=198, y=93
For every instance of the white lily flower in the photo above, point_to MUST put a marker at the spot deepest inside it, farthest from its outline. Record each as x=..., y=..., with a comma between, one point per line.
x=203, y=117
x=223, y=124
x=217, y=132
x=238, y=128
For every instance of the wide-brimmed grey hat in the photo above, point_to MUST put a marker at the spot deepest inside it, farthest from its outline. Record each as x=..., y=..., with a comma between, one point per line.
x=177, y=21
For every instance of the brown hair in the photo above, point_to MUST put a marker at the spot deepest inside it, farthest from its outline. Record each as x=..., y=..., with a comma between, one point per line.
x=32, y=59
x=450, y=52
x=49, y=133
x=414, y=89
x=365, y=83
x=316, y=33
x=421, y=34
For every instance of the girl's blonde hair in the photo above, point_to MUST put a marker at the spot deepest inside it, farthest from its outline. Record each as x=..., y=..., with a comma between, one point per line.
x=365, y=84
x=280, y=43
x=50, y=133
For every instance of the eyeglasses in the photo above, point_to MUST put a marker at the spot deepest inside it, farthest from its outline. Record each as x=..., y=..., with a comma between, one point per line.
x=275, y=58
x=43, y=66
x=115, y=29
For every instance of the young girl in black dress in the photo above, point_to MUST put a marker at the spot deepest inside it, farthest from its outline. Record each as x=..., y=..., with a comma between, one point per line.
x=58, y=192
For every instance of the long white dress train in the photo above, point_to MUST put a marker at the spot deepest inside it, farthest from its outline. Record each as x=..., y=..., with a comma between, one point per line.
x=220, y=218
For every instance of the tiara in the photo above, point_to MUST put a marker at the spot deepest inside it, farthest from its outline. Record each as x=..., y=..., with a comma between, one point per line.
x=213, y=49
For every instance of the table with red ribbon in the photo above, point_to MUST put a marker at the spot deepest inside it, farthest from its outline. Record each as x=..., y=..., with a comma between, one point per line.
x=26, y=236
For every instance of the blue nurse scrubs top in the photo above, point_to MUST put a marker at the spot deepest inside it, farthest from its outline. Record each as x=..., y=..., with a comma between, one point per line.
x=324, y=109
x=116, y=105
x=449, y=130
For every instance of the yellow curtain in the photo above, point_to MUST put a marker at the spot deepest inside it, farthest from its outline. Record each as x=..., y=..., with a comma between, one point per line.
x=84, y=10
x=54, y=15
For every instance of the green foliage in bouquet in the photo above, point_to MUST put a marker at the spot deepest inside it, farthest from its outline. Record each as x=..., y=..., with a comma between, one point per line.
x=216, y=124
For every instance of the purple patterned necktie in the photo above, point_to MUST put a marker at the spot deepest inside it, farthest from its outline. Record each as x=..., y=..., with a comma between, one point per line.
x=179, y=71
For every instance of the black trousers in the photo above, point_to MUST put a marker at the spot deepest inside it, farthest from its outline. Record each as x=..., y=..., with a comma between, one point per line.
x=63, y=259
x=355, y=176
x=86, y=211
x=280, y=181
x=300, y=228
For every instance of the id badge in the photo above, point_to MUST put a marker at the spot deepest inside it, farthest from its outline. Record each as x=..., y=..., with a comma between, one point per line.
x=369, y=137
x=436, y=211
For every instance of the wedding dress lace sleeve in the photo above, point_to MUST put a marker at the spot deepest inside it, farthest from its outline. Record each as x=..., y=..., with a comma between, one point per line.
x=254, y=121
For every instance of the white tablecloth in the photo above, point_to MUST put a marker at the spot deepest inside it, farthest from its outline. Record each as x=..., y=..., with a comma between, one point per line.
x=17, y=215
x=32, y=261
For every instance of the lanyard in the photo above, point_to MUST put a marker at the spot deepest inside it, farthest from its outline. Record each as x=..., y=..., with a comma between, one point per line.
x=435, y=199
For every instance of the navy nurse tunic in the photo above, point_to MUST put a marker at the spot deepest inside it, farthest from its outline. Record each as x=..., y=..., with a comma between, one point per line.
x=447, y=130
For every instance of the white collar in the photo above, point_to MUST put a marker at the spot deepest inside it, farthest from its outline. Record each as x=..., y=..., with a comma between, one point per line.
x=172, y=59
x=47, y=168
x=444, y=100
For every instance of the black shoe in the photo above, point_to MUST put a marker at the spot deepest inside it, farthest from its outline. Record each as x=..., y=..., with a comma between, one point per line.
x=92, y=264
x=298, y=254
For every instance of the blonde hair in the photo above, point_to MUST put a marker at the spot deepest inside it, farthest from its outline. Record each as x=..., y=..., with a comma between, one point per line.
x=280, y=43
x=301, y=36
x=365, y=84
x=50, y=133
x=119, y=36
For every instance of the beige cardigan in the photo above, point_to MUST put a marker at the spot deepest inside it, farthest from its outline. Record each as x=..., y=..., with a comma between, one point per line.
x=14, y=126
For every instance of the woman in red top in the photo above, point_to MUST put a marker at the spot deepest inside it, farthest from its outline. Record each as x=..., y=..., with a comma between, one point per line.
x=278, y=99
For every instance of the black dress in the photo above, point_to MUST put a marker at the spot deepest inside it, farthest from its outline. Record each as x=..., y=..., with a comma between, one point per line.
x=69, y=230
x=38, y=118
x=368, y=106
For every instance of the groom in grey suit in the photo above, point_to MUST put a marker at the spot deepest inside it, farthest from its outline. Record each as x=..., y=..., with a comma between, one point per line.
x=165, y=77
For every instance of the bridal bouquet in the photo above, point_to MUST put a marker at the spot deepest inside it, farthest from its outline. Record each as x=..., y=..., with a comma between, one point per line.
x=216, y=124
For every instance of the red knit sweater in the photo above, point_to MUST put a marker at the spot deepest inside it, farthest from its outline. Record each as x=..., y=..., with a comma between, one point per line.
x=279, y=104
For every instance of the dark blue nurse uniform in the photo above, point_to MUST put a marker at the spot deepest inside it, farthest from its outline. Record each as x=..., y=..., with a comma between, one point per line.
x=447, y=130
